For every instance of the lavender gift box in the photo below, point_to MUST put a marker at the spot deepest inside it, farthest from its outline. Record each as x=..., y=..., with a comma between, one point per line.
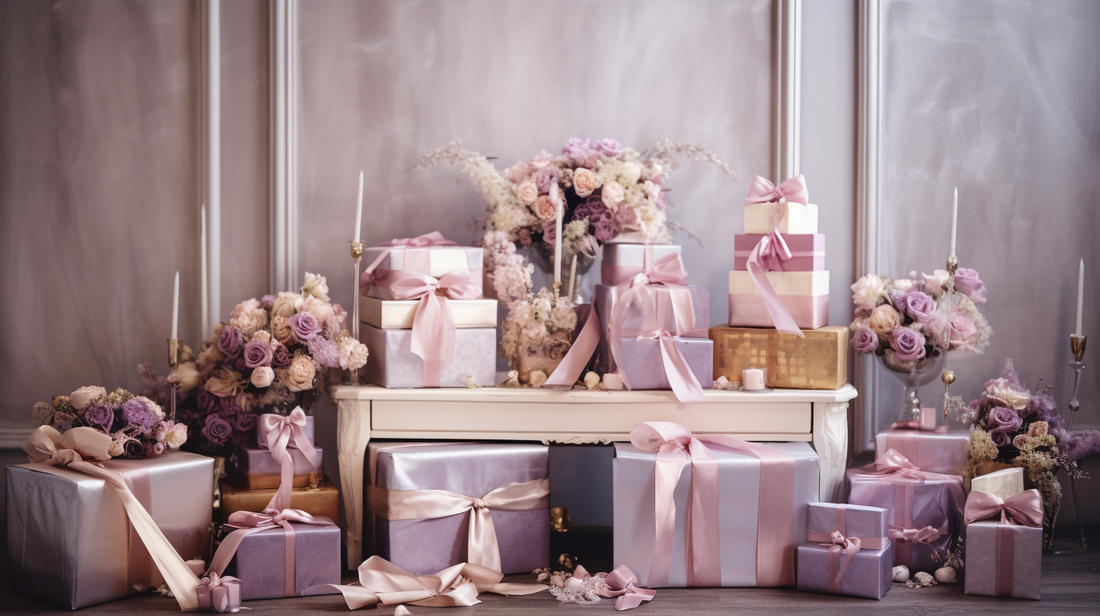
x=70, y=541
x=621, y=262
x=474, y=469
x=434, y=261
x=259, y=441
x=633, y=476
x=260, y=562
x=604, y=303
x=805, y=295
x=256, y=461
x=870, y=573
x=807, y=251
x=645, y=369
x=393, y=364
x=1003, y=560
x=936, y=452
x=913, y=504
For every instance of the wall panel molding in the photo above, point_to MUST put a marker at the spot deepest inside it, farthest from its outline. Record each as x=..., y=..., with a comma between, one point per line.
x=787, y=64
x=284, y=139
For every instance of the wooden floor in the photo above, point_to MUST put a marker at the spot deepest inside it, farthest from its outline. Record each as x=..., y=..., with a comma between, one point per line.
x=1071, y=585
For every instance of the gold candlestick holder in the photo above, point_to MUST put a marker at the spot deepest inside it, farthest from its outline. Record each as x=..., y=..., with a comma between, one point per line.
x=174, y=347
x=948, y=377
x=352, y=376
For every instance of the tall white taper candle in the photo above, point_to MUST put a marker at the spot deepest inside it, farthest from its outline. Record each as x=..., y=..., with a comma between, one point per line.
x=176, y=307
x=1080, y=293
x=202, y=274
x=954, y=219
x=557, y=248
x=572, y=277
x=359, y=208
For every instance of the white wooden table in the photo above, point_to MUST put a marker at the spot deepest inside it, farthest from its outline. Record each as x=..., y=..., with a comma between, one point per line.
x=578, y=417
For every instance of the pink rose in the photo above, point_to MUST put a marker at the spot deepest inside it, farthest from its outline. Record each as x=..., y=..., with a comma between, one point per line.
x=544, y=208
x=262, y=376
x=933, y=285
x=517, y=172
x=612, y=194
x=883, y=320
x=968, y=283
x=584, y=182
x=527, y=191
x=321, y=310
x=962, y=331
x=299, y=376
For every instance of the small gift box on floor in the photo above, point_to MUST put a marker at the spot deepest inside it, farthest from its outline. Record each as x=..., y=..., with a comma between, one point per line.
x=847, y=552
x=938, y=451
x=438, y=505
x=1004, y=538
x=70, y=541
x=322, y=500
x=817, y=360
x=923, y=509
x=747, y=515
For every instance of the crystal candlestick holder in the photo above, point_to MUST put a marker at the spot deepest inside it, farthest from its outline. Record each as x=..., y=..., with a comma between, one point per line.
x=1077, y=347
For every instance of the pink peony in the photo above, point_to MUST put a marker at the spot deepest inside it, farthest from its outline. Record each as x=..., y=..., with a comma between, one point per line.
x=962, y=331
x=883, y=320
x=868, y=292
x=584, y=182
x=613, y=194
x=545, y=209
x=527, y=191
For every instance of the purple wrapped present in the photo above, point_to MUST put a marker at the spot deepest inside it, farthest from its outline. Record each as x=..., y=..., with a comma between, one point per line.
x=847, y=552
x=429, y=255
x=69, y=539
x=644, y=367
x=1004, y=544
x=437, y=505
x=750, y=521
x=393, y=364
x=807, y=252
x=604, y=303
x=256, y=461
x=621, y=262
x=929, y=450
x=923, y=509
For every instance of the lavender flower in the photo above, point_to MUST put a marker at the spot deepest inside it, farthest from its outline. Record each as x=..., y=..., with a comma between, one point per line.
x=231, y=341
x=137, y=414
x=865, y=341
x=268, y=302
x=217, y=430
x=897, y=300
x=918, y=305
x=99, y=417
x=547, y=177
x=257, y=353
x=609, y=148
x=304, y=326
x=1003, y=424
x=325, y=352
x=280, y=356
x=576, y=149
x=968, y=283
x=908, y=344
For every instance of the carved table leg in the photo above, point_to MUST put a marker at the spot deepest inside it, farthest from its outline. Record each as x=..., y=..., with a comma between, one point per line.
x=831, y=443
x=352, y=437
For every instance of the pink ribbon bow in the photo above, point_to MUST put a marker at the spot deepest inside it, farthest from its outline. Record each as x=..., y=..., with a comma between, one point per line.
x=433, y=333
x=1023, y=509
x=840, y=545
x=221, y=594
x=435, y=238
x=926, y=535
x=278, y=433
x=675, y=447
x=248, y=522
x=622, y=582
x=792, y=190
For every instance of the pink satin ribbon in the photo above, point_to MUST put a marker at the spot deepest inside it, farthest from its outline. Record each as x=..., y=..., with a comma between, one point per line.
x=248, y=523
x=750, y=310
x=677, y=371
x=139, y=573
x=382, y=582
x=675, y=448
x=584, y=345
x=77, y=449
x=434, y=238
x=1023, y=509
x=434, y=335
x=481, y=540
x=621, y=582
x=841, y=545
x=218, y=593
x=792, y=190
x=278, y=433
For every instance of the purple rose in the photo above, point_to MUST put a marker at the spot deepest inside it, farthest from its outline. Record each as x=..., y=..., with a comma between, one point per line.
x=245, y=422
x=208, y=402
x=1003, y=424
x=228, y=406
x=919, y=305
x=257, y=353
x=547, y=177
x=280, y=356
x=609, y=148
x=99, y=417
x=576, y=149
x=137, y=414
x=217, y=430
x=968, y=283
x=865, y=341
x=231, y=341
x=304, y=326
x=268, y=302
x=239, y=364
x=908, y=345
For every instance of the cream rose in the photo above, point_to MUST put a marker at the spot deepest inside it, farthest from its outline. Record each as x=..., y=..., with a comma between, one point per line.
x=883, y=320
x=83, y=397
x=584, y=182
x=321, y=310
x=284, y=333
x=356, y=356
x=612, y=194
x=187, y=375
x=262, y=336
x=299, y=375
x=527, y=191
x=224, y=383
x=544, y=208
x=316, y=285
x=250, y=321
x=631, y=173
x=286, y=304
x=262, y=376
x=868, y=291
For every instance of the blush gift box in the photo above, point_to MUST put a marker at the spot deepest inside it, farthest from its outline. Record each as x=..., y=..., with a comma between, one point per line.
x=847, y=552
x=435, y=505
x=394, y=365
x=942, y=451
x=258, y=439
x=923, y=509
x=794, y=218
x=818, y=360
x=429, y=255
x=606, y=297
x=1004, y=539
x=321, y=499
x=256, y=468
x=70, y=542
x=400, y=314
x=622, y=261
x=807, y=252
x=755, y=516
x=805, y=295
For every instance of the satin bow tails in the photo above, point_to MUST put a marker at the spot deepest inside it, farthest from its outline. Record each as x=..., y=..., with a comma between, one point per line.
x=1023, y=509
x=482, y=547
x=433, y=332
x=620, y=586
x=248, y=522
x=435, y=238
x=219, y=593
x=382, y=582
x=675, y=448
x=73, y=450
x=279, y=433
x=772, y=249
x=584, y=345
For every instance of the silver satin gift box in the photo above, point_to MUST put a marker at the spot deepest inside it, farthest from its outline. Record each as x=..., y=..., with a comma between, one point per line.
x=70, y=542
x=738, y=497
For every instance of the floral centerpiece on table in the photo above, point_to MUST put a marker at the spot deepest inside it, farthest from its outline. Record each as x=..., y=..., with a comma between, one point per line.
x=538, y=332
x=274, y=354
x=136, y=423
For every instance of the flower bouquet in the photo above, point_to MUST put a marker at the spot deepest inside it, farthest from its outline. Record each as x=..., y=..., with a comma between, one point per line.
x=135, y=423
x=538, y=333
x=274, y=354
x=1015, y=427
x=912, y=322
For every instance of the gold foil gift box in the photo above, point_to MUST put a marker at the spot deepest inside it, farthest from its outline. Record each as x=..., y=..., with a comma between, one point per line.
x=817, y=361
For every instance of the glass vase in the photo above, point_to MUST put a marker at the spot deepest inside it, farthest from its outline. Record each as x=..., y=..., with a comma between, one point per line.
x=913, y=375
x=542, y=255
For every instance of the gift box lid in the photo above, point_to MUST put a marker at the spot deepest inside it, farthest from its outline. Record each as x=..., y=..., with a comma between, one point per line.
x=1003, y=483
x=852, y=520
x=473, y=469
